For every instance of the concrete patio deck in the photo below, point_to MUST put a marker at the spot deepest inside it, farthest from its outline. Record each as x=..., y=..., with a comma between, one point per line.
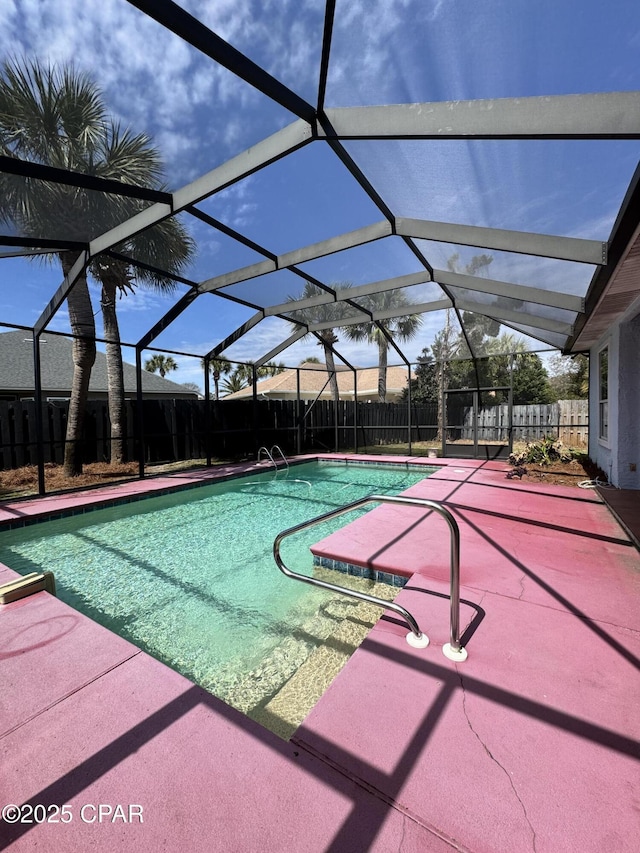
x=531, y=744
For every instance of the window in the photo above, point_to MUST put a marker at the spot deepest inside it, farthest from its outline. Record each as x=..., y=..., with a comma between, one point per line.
x=603, y=394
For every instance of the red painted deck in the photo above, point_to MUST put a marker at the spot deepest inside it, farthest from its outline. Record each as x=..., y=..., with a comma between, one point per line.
x=531, y=744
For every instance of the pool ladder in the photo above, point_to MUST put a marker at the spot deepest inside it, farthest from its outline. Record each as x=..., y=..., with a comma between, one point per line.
x=271, y=454
x=452, y=650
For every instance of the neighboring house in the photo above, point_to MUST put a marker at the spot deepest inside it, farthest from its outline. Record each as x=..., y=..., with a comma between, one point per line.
x=314, y=384
x=17, y=380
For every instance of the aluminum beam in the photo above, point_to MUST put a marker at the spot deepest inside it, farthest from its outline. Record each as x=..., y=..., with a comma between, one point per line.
x=193, y=31
x=352, y=293
x=417, y=308
x=176, y=309
x=236, y=276
x=43, y=245
x=284, y=345
x=521, y=242
x=564, y=248
x=67, y=177
x=498, y=313
x=236, y=335
x=539, y=335
x=368, y=234
x=414, y=308
x=61, y=293
x=140, y=222
x=512, y=291
x=262, y=154
x=230, y=232
x=606, y=115
x=356, y=292
x=329, y=15
x=336, y=352
x=344, y=321
x=24, y=253
x=267, y=151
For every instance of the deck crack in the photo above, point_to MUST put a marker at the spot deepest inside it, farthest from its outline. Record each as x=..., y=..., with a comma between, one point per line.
x=495, y=760
x=404, y=827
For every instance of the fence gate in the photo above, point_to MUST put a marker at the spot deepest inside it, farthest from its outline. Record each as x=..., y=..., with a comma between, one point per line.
x=477, y=424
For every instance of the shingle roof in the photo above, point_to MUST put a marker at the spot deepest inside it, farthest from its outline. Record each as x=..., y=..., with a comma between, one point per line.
x=16, y=369
x=313, y=379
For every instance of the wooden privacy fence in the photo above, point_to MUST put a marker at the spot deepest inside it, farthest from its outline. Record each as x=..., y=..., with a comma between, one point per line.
x=176, y=430
x=567, y=420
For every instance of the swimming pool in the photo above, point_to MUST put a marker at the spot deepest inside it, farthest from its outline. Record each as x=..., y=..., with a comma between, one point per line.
x=189, y=576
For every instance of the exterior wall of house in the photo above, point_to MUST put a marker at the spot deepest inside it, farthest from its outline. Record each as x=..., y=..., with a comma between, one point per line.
x=619, y=454
x=629, y=405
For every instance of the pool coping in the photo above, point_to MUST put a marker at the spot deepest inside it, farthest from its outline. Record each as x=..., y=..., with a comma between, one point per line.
x=23, y=512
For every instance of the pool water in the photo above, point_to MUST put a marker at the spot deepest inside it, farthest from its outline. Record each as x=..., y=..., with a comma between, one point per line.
x=189, y=577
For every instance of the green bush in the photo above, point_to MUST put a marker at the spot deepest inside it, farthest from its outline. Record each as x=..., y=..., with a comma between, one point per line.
x=543, y=452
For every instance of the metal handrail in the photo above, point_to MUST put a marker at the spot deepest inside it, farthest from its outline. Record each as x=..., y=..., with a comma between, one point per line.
x=452, y=650
x=273, y=461
x=279, y=449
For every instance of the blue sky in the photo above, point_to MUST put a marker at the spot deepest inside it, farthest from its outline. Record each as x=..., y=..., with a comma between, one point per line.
x=384, y=51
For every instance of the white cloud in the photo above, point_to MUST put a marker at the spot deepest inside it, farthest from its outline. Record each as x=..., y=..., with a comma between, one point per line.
x=152, y=80
x=8, y=16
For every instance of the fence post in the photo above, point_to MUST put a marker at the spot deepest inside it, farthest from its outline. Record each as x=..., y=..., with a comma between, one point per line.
x=207, y=409
x=298, y=414
x=37, y=375
x=139, y=413
x=409, y=405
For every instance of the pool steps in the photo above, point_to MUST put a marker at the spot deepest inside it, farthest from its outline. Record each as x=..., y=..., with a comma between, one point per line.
x=281, y=692
x=288, y=708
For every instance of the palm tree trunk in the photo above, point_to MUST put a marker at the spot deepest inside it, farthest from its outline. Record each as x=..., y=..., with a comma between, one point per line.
x=115, y=377
x=382, y=371
x=440, y=400
x=84, y=356
x=328, y=339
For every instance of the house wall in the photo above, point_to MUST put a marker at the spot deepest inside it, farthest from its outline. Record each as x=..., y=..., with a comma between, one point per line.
x=629, y=405
x=621, y=453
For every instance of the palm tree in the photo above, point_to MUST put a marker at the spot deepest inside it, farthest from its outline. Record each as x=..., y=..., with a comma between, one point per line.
x=244, y=372
x=236, y=381
x=39, y=120
x=271, y=369
x=161, y=364
x=327, y=312
x=401, y=328
x=166, y=246
x=56, y=117
x=219, y=366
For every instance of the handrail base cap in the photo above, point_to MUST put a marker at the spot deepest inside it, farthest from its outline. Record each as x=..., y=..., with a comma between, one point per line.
x=449, y=652
x=420, y=642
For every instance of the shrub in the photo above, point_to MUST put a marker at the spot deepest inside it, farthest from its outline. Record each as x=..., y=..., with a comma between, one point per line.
x=543, y=452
